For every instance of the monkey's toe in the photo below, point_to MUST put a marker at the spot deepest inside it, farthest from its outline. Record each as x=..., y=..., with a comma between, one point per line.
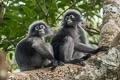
x=104, y=48
x=60, y=63
x=82, y=63
x=53, y=68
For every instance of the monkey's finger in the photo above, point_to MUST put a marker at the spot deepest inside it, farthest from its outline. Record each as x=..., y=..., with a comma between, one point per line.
x=82, y=63
x=104, y=48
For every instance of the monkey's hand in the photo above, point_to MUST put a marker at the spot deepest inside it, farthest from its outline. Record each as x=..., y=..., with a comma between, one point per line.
x=82, y=63
x=60, y=63
x=103, y=48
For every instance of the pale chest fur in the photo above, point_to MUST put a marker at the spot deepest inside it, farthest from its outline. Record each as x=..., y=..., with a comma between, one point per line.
x=74, y=34
x=36, y=41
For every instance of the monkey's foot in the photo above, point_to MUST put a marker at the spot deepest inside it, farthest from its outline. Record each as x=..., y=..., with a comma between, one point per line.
x=54, y=65
x=53, y=68
x=82, y=63
x=60, y=63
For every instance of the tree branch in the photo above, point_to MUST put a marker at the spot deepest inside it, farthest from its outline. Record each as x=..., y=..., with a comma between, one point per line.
x=67, y=9
x=105, y=67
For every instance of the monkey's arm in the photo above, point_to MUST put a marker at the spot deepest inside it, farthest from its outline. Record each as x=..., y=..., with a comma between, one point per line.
x=84, y=48
x=103, y=48
x=83, y=36
x=45, y=50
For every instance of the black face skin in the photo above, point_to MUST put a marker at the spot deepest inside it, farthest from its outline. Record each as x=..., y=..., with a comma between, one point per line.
x=41, y=29
x=71, y=18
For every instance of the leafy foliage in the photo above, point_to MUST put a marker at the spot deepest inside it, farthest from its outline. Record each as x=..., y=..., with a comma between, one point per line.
x=21, y=13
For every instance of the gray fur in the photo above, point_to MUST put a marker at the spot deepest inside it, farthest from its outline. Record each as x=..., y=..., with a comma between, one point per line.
x=70, y=43
x=33, y=52
x=71, y=11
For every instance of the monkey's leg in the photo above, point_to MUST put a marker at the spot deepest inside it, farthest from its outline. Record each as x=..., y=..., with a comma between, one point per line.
x=76, y=58
x=24, y=62
x=25, y=66
x=78, y=54
x=83, y=36
x=46, y=52
x=67, y=51
x=54, y=62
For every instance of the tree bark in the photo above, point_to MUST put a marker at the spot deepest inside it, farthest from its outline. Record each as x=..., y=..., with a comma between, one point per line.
x=105, y=67
x=2, y=11
x=3, y=67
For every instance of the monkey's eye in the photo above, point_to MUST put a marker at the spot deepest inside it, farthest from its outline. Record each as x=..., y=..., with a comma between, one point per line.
x=36, y=28
x=72, y=16
x=66, y=18
x=42, y=27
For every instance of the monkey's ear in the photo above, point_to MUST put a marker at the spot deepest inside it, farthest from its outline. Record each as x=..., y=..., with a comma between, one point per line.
x=48, y=31
x=63, y=22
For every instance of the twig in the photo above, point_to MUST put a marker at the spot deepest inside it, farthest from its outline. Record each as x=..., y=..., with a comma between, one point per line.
x=39, y=5
x=90, y=28
x=50, y=6
x=37, y=2
x=92, y=32
x=92, y=3
x=67, y=9
x=93, y=42
x=46, y=11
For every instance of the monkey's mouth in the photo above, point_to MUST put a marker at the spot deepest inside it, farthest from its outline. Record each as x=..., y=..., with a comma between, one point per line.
x=69, y=22
x=42, y=31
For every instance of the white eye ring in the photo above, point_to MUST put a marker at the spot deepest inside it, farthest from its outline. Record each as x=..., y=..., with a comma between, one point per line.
x=66, y=18
x=42, y=27
x=36, y=28
x=72, y=16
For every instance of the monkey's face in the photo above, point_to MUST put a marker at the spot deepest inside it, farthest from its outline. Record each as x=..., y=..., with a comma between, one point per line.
x=41, y=29
x=72, y=19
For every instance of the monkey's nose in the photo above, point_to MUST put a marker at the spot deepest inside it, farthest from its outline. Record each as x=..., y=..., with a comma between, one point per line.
x=42, y=31
x=69, y=21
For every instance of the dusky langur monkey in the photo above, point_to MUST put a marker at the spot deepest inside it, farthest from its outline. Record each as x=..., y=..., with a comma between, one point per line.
x=70, y=44
x=33, y=52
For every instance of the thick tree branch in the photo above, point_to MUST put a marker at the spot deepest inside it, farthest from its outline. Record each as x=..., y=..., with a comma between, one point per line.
x=3, y=67
x=105, y=67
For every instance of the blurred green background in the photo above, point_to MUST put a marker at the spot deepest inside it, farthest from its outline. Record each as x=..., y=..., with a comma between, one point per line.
x=17, y=15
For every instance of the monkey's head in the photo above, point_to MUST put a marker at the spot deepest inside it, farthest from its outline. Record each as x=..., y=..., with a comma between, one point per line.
x=71, y=17
x=38, y=28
